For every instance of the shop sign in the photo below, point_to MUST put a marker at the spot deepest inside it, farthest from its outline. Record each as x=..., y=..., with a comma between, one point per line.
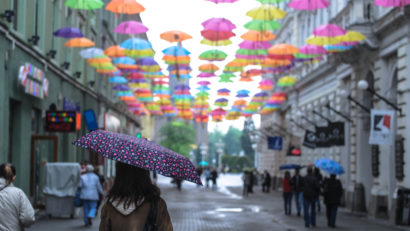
x=62, y=121
x=90, y=120
x=275, y=143
x=33, y=80
x=381, y=130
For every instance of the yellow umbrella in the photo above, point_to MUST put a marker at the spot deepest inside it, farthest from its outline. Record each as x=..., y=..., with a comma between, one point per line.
x=322, y=41
x=286, y=81
x=351, y=36
x=266, y=12
x=216, y=43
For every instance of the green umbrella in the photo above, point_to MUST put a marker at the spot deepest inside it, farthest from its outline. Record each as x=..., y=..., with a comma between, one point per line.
x=213, y=55
x=84, y=4
x=226, y=77
x=304, y=56
x=262, y=25
x=270, y=1
x=251, y=52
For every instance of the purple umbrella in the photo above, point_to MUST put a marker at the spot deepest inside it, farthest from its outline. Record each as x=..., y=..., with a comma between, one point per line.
x=140, y=153
x=68, y=32
x=206, y=75
x=261, y=94
x=131, y=27
x=121, y=87
x=182, y=87
x=224, y=90
x=222, y=1
x=221, y=100
x=254, y=45
x=204, y=83
x=146, y=62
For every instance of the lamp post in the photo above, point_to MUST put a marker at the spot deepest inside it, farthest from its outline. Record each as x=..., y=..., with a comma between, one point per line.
x=364, y=85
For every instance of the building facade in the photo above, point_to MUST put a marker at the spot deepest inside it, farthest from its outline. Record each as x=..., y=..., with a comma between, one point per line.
x=376, y=175
x=26, y=38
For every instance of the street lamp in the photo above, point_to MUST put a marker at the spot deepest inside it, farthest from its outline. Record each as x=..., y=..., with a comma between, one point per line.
x=364, y=85
x=345, y=94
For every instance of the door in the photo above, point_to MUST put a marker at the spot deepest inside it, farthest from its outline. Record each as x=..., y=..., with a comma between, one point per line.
x=43, y=149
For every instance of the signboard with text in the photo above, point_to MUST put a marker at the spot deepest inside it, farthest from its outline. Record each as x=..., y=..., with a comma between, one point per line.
x=61, y=121
x=33, y=81
x=275, y=143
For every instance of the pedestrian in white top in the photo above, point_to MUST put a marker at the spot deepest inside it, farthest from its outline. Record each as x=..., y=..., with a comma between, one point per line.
x=16, y=210
x=91, y=190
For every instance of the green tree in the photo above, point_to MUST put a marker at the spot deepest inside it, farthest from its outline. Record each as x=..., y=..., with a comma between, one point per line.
x=178, y=137
x=214, y=138
x=232, y=141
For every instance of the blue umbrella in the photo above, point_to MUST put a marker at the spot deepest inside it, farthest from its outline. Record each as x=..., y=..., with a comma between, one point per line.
x=117, y=79
x=329, y=166
x=176, y=51
x=136, y=44
x=290, y=166
x=185, y=76
x=124, y=60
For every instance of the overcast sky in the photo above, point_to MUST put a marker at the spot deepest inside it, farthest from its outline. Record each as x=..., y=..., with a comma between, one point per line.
x=187, y=16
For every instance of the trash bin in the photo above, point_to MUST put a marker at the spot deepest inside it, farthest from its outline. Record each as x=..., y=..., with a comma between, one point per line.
x=61, y=182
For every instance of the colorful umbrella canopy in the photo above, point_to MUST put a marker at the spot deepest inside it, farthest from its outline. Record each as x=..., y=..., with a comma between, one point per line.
x=84, y=4
x=329, y=166
x=254, y=45
x=270, y=1
x=136, y=44
x=352, y=36
x=286, y=81
x=117, y=79
x=282, y=50
x=114, y=51
x=210, y=67
x=140, y=153
x=213, y=55
x=91, y=53
x=329, y=30
x=392, y=3
x=175, y=36
x=176, y=51
x=266, y=85
x=322, y=40
x=223, y=92
x=312, y=50
x=131, y=27
x=68, y=32
x=125, y=7
x=218, y=24
x=222, y=1
x=242, y=93
x=309, y=4
x=266, y=12
x=79, y=42
x=216, y=35
x=263, y=25
x=256, y=36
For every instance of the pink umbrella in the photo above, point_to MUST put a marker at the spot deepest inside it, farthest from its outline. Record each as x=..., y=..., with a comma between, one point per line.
x=392, y=3
x=254, y=45
x=250, y=56
x=329, y=30
x=309, y=4
x=312, y=50
x=131, y=27
x=206, y=75
x=222, y=1
x=218, y=24
x=204, y=83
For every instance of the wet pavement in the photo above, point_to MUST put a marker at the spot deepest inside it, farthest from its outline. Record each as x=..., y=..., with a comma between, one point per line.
x=210, y=209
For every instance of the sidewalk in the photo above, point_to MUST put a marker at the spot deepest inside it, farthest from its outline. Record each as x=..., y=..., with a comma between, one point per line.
x=206, y=209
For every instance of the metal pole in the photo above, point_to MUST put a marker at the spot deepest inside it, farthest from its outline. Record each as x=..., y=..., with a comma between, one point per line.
x=322, y=116
x=359, y=104
x=384, y=99
x=339, y=113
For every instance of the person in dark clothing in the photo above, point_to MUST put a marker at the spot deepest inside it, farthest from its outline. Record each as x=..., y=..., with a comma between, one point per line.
x=252, y=181
x=297, y=187
x=246, y=183
x=332, y=192
x=311, y=190
x=319, y=176
x=214, y=175
x=266, y=181
x=287, y=193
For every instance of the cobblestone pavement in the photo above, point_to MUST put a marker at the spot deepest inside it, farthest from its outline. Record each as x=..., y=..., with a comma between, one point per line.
x=206, y=209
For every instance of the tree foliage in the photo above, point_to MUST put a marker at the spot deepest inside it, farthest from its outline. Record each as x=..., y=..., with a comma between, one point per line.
x=178, y=137
x=214, y=138
x=232, y=141
x=236, y=163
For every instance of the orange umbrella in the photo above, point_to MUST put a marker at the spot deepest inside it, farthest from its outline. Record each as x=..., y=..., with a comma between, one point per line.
x=114, y=51
x=175, y=36
x=245, y=79
x=105, y=72
x=99, y=60
x=256, y=36
x=240, y=102
x=127, y=66
x=208, y=67
x=283, y=49
x=236, y=64
x=125, y=7
x=275, y=62
x=176, y=58
x=79, y=42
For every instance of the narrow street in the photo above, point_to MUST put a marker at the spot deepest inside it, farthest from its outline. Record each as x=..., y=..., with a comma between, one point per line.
x=201, y=209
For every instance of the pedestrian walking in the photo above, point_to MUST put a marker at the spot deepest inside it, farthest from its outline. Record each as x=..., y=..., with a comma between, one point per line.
x=332, y=192
x=311, y=191
x=319, y=176
x=267, y=181
x=134, y=203
x=246, y=177
x=287, y=193
x=91, y=191
x=252, y=181
x=16, y=210
x=207, y=176
x=214, y=176
x=297, y=188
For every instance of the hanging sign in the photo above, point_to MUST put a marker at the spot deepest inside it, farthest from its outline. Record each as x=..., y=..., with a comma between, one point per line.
x=90, y=120
x=310, y=139
x=61, y=121
x=337, y=134
x=381, y=127
x=275, y=143
x=322, y=137
x=33, y=80
x=294, y=146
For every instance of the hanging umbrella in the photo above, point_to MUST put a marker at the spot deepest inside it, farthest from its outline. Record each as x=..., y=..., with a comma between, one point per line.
x=266, y=84
x=140, y=153
x=266, y=12
x=213, y=55
x=216, y=43
x=68, y=32
x=351, y=36
x=322, y=40
x=79, y=42
x=124, y=60
x=210, y=67
x=217, y=35
x=117, y=79
x=131, y=27
x=114, y=51
x=329, y=166
x=125, y=7
x=223, y=92
x=392, y=3
x=254, y=45
x=91, y=53
x=218, y=24
x=309, y=4
x=84, y=4
x=271, y=2
x=263, y=25
x=289, y=166
x=242, y=93
x=121, y=87
x=286, y=81
x=176, y=51
x=329, y=30
x=255, y=36
x=136, y=44
x=222, y=1
x=175, y=36
x=312, y=50
x=282, y=51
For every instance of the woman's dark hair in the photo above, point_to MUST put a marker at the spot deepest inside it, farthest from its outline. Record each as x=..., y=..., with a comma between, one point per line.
x=132, y=185
x=8, y=172
x=287, y=175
